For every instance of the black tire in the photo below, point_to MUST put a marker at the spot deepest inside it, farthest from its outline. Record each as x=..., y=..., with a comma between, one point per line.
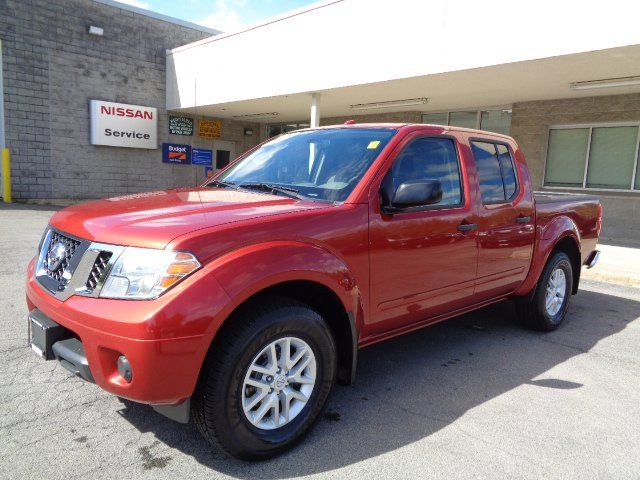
x=532, y=309
x=217, y=400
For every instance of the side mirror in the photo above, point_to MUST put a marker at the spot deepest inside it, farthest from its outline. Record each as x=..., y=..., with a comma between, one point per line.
x=414, y=193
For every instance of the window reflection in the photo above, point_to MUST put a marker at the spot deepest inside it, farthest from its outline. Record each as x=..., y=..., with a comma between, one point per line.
x=430, y=159
x=489, y=175
x=507, y=168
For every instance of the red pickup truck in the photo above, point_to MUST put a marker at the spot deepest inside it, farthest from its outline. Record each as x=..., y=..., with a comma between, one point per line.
x=240, y=302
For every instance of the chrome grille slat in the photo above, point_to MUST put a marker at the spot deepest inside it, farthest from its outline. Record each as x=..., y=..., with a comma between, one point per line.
x=102, y=260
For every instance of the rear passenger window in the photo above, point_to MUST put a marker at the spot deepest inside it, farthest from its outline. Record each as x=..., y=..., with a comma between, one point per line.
x=496, y=173
x=430, y=158
x=508, y=172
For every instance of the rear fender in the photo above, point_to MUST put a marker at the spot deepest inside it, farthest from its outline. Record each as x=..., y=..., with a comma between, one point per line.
x=547, y=237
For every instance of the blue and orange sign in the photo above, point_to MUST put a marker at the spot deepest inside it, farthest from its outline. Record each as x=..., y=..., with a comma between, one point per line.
x=176, y=153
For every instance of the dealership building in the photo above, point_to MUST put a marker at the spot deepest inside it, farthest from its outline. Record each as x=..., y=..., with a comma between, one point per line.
x=102, y=99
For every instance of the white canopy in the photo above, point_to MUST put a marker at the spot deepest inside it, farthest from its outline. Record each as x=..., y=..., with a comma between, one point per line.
x=456, y=53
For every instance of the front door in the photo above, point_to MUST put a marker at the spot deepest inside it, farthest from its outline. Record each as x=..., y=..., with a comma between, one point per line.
x=422, y=264
x=505, y=219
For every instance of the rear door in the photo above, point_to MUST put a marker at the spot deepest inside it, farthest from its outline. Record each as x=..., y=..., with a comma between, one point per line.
x=422, y=264
x=505, y=218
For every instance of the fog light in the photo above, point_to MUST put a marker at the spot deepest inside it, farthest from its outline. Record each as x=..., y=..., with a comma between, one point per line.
x=124, y=368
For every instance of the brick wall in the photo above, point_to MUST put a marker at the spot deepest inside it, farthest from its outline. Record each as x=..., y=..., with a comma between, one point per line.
x=53, y=67
x=531, y=121
x=530, y=127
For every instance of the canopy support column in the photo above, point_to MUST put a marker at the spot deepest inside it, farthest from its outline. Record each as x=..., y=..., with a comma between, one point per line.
x=315, y=110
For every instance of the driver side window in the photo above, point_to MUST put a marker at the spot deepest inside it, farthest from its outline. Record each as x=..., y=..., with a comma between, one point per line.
x=430, y=158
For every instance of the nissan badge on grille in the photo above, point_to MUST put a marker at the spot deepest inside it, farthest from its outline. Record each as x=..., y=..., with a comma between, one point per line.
x=56, y=256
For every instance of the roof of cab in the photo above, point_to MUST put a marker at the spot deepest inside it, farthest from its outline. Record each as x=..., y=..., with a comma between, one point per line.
x=442, y=128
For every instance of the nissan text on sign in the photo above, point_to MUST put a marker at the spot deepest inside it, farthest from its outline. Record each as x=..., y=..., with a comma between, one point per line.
x=122, y=125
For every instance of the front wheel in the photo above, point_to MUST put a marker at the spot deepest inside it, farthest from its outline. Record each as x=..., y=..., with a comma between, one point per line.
x=266, y=379
x=547, y=307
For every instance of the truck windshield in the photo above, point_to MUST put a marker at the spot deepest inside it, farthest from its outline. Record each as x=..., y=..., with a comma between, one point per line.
x=317, y=164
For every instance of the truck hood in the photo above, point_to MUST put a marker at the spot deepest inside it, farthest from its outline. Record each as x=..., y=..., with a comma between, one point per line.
x=153, y=219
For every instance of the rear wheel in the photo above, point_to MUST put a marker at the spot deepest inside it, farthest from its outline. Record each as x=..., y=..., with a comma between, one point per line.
x=266, y=379
x=546, y=308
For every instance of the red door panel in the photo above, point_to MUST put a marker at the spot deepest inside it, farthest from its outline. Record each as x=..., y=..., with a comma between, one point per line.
x=421, y=265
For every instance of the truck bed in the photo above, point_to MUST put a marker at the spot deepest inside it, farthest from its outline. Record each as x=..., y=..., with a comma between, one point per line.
x=583, y=210
x=543, y=198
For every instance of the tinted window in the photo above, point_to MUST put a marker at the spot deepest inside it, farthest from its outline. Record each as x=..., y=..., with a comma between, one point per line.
x=612, y=157
x=508, y=172
x=222, y=158
x=496, y=171
x=611, y=163
x=489, y=174
x=430, y=159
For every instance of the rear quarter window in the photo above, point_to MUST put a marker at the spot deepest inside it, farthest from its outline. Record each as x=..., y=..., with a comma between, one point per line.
x=496, y=172
x=508, y=171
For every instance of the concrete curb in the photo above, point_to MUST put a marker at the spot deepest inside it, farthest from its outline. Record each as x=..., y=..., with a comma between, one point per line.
x=617, y=265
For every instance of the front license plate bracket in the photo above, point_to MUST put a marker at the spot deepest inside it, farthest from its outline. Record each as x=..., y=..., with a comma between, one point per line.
x=43, y=333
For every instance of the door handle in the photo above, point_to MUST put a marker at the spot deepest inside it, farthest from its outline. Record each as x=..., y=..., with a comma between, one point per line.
x=523, y=219
x=465, y=227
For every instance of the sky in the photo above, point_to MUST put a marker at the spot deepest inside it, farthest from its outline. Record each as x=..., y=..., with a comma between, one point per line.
x=225, y=15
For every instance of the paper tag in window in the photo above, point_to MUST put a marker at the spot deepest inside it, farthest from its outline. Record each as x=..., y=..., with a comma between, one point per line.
x=373, y=145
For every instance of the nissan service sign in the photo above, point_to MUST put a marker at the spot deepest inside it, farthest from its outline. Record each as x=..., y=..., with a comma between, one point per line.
x=122, y=125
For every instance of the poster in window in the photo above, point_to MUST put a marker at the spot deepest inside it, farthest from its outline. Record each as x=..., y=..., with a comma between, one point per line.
x=180, y=126
x=210, y=128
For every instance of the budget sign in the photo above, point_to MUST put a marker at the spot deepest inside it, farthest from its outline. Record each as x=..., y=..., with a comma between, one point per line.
x=176, y=153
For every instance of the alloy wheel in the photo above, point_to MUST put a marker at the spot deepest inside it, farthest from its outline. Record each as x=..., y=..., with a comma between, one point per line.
x=278, y=383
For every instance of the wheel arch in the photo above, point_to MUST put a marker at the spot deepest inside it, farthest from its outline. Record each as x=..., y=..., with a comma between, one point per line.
x=561, y=234
x=327, y=303
x=308, y=273
x=569, y=246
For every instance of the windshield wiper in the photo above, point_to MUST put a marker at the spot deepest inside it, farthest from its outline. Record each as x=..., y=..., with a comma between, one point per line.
x=218, y=183
x=268, y=187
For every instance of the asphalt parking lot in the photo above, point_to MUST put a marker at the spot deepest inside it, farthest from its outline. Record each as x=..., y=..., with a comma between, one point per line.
x=475, y=397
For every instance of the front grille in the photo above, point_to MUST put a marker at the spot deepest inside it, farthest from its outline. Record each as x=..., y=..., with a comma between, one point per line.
x=60, y=273
x=72, y=266
x=102, y=260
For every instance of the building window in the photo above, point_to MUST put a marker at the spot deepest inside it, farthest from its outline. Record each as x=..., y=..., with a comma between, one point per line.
x=278, y=128
x=601, y=157
x=464, y=119
x=497, y=120
x=436, y=118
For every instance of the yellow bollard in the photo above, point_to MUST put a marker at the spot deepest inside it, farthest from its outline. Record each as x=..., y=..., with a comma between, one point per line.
x=6, y=175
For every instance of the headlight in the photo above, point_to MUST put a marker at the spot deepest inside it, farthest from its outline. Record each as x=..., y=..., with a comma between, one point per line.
x=143, y=273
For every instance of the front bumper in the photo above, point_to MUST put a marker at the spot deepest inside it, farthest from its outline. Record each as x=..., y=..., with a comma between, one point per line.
x=165, y=365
